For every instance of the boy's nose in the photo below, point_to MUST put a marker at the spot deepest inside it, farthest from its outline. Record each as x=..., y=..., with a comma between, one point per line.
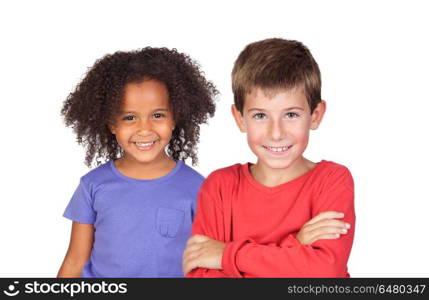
x=277, y=131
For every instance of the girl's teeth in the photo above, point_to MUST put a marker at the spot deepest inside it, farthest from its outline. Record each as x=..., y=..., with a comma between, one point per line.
x=145, y=144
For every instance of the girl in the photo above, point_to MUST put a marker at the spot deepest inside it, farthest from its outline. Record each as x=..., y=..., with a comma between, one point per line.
x=132, y=215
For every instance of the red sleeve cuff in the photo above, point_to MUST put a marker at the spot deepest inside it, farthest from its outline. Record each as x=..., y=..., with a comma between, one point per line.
x=291, y=241
x=229, y=265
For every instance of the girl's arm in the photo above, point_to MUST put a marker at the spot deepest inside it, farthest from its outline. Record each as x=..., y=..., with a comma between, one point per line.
x=81, y=240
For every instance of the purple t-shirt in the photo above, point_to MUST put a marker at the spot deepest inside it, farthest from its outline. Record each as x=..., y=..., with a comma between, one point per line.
x=141, y=226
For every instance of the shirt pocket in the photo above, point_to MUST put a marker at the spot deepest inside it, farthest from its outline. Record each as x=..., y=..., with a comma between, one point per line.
x=169, y=221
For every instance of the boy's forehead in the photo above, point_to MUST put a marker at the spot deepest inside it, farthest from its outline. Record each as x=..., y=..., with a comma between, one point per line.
x=279, y=96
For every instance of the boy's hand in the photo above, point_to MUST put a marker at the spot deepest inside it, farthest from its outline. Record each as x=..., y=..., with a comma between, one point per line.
x=202, y=252
x=323, y=226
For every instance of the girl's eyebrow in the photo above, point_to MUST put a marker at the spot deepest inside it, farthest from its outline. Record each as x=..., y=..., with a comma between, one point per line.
x=134, y=111
x=161, y=109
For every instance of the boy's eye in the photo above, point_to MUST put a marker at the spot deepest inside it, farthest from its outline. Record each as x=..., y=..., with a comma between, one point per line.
x=158, y=115
x=259, y=116
x=292, y=115
x=129, y=118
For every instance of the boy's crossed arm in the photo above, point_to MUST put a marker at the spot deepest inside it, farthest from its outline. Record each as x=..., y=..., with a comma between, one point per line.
x=204, y=252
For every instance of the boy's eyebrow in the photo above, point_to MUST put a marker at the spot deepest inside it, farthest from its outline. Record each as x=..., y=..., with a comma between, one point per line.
x=294, y=107
x=286, y=109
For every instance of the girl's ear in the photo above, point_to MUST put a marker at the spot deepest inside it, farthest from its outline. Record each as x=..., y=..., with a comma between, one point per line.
x=238, y=118
x=317, y=115
x=112, y=128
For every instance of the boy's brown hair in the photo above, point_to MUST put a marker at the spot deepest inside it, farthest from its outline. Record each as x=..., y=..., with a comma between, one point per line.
x=273, y=64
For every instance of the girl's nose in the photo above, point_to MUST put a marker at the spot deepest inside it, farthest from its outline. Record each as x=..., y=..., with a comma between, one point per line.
x=144, y=126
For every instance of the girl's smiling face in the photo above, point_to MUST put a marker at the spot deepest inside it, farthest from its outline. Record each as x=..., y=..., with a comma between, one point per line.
x=144, y=126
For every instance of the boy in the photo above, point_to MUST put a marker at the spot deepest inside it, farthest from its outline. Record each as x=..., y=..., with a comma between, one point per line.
x=280, y=216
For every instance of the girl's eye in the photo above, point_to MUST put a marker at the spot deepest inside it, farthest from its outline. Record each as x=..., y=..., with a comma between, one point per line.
x=158, y=115
x=259, y=116
x=129, y=118
x=291, y=115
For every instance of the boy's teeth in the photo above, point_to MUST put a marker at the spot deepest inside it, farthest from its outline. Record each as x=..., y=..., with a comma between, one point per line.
x=144, y=144
x=278, y=149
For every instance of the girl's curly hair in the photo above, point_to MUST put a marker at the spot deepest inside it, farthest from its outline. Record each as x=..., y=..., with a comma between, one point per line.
x=97, y=100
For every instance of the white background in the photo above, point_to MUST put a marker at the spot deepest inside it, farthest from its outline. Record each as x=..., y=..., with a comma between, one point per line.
x=374, y=64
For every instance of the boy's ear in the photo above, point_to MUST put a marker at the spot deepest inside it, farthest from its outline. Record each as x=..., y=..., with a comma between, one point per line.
x=317, y=115
x=238, y=118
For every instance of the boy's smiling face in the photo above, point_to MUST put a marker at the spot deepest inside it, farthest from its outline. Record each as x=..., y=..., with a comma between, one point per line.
x=277, y=124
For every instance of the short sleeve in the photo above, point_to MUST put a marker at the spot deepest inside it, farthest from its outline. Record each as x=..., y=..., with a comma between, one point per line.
x=80, y=208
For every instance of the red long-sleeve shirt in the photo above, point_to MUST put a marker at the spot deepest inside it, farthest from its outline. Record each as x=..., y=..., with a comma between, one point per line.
x=259, y=223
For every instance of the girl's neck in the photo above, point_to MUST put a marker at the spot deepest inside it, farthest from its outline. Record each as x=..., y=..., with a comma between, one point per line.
x=272, y=177
x=145, y=171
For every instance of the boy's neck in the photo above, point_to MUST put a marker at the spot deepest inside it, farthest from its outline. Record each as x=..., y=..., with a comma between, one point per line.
x=145, y=171
x=272, y=177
